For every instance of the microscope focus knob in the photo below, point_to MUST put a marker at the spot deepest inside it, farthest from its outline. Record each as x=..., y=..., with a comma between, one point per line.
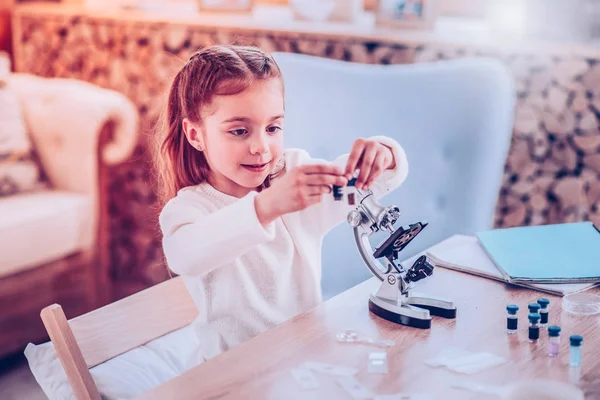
x=355, y=218
x=422, y=268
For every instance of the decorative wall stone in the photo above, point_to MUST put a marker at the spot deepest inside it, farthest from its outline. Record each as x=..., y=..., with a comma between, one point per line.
x=552, y=173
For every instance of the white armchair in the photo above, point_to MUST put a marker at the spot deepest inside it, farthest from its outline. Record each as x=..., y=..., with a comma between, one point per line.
x=53, y=242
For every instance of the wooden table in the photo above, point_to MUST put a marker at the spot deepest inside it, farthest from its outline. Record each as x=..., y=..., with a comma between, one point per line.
x=260, y=368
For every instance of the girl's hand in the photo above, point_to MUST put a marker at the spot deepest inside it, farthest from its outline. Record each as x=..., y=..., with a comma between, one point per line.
x=372, y=158
x=298, y=189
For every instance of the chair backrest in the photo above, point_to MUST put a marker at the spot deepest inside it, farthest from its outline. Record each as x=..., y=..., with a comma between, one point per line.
x=453, y=118
x=107, y=332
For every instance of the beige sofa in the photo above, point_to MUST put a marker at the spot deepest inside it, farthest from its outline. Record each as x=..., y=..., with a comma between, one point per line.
x=53, y=240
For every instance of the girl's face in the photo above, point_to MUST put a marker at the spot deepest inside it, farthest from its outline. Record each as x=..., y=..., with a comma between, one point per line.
x=241, y=136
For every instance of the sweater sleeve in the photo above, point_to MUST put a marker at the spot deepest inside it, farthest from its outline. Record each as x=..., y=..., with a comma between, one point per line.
x=331, y=213
x=196, y=242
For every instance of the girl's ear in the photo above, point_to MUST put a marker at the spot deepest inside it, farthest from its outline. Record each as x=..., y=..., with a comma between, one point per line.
x=193, y=134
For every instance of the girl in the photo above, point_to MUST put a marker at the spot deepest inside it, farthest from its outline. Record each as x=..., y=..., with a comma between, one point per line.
x=244, y=219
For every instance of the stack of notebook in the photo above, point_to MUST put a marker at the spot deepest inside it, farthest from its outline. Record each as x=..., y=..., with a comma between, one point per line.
x=559, y=259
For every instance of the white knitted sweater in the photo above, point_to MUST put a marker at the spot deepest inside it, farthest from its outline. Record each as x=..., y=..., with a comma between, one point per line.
x=245, y=278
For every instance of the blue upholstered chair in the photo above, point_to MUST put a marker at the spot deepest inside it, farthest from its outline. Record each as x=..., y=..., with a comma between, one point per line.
x=453, y=118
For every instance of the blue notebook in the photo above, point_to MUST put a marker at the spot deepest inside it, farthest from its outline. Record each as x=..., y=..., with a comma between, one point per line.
x=559, y=253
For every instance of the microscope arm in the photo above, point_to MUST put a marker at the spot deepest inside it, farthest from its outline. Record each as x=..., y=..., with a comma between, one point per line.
x=393, y=301
x=364, y=248
x=380, y=271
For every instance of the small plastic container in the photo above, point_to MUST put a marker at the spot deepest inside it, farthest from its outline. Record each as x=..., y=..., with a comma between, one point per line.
x=534, y=327
x=511, y=319
x=581, y=304
x=534, y=308
x=545, y=305
x=575, y=353
x=553, y=340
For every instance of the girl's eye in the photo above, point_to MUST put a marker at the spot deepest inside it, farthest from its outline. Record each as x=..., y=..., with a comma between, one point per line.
x=238, y=132
x=273, y=129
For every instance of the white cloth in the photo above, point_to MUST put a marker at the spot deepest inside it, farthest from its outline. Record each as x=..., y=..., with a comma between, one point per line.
x=127, y=375
x=245, y=278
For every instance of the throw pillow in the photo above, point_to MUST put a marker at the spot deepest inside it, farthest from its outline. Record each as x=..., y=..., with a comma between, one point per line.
x=19, y=172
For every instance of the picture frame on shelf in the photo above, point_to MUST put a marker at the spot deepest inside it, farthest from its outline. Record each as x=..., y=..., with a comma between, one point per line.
x=233, y=6
x=407, y=14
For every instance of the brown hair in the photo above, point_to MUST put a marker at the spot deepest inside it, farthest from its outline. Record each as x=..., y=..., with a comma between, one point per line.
x=214, y=70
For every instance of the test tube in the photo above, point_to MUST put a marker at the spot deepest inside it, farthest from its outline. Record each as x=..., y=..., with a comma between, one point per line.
x=545, y=305
x=511, y=319
x=575, y=355
x=553, y=340
x=534, y=327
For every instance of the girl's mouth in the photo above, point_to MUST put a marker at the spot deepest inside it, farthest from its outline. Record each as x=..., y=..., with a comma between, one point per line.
x=255, y=167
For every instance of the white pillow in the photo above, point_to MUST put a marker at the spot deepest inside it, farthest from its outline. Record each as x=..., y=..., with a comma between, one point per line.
x=124, y=376
x=19, y=172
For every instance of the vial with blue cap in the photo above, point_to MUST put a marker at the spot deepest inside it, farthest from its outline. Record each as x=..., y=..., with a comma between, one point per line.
x=544, y=307
x=534, y=327
x=534, y=308
x=575, y=355
x=553, y=340
x=511, y=320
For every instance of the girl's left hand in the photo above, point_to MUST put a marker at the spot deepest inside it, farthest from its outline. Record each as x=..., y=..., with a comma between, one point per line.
x=371, y=158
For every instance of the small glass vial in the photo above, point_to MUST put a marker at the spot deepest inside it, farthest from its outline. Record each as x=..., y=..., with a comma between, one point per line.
x=553, y=340
x=338, y=193
x=534, y=327
x=511, y=319
x=544, y=307
x=534, y=308
x=575, y=356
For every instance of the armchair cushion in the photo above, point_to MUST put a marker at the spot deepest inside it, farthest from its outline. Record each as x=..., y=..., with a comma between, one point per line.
x=90, y=127
x=51, y=222
x=18, y=170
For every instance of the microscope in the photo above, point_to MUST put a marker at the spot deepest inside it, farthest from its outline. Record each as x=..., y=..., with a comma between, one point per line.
x=395, y=300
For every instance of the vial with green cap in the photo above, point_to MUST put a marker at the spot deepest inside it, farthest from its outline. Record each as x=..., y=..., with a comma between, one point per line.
x=553, y=340
x=511, y=320
x=534, y=327
x=544, y=306
x=575, y=356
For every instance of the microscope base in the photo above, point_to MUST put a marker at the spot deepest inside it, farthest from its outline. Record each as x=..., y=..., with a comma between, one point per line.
x=437, y=306
x=439, y=312
x=405, y=314
x=414, y=310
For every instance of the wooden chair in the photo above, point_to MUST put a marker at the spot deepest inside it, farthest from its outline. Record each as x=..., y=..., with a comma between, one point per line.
x=100, y=335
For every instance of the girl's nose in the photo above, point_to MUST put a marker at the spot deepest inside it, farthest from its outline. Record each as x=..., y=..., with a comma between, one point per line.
x=259, y=145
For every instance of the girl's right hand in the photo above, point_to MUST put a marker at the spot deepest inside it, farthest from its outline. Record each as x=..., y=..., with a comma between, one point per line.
x=296, y=190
